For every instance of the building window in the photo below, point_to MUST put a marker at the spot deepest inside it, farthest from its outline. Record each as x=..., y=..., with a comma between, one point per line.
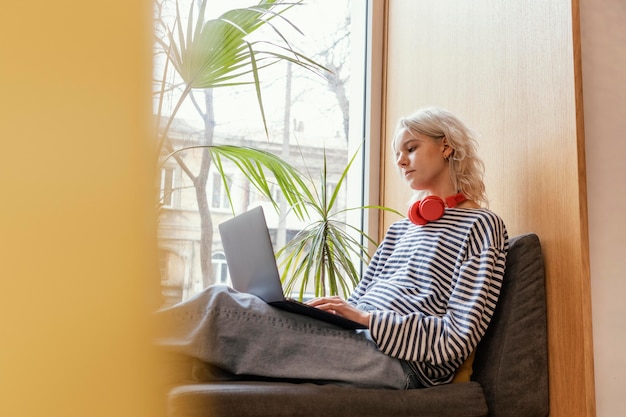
x=220, y=269
x=167, y=187
x=219, y=196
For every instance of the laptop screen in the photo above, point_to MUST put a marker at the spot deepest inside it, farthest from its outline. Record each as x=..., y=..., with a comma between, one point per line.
x=250, y=255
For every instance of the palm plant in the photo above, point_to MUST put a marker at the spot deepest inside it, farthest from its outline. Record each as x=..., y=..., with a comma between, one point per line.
x=219, y=53
x=328, y=250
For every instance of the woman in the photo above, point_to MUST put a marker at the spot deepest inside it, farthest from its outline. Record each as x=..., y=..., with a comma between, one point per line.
x=426, y=297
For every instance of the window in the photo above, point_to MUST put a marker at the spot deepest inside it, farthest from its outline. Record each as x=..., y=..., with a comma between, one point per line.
x=310, y=117
x=220, y=269
x=167, y=187
x=219, y=199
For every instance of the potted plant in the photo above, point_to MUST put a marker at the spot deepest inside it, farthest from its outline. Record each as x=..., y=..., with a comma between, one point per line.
x=325, y=255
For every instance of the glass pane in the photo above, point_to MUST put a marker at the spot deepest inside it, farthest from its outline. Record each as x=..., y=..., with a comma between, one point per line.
x=310, y=118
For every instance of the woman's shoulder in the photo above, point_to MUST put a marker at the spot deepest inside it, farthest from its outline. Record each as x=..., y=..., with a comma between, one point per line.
x=462, y=218
x=398, y=227
x=482, y=224
x=477, y=214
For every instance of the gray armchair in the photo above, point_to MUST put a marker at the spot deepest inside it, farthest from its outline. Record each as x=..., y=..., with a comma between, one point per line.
x=510, y=370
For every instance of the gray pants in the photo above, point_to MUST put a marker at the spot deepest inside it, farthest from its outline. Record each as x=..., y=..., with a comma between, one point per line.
x=242, y=335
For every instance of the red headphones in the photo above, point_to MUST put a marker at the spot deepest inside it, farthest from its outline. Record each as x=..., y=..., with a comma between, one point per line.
x=431, y=208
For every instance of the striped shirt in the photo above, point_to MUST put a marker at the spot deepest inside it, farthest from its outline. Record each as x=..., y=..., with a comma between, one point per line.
x=432, y=290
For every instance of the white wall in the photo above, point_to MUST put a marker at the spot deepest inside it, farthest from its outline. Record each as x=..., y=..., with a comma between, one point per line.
x=603, y=27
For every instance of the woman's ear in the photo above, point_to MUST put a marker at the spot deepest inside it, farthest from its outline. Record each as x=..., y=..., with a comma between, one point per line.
x=446, y=148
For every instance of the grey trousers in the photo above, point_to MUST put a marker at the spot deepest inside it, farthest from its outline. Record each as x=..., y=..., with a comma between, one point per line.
x=242, y=335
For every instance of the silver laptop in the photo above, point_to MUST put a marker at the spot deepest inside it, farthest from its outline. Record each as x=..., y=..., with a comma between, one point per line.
x=252, y=266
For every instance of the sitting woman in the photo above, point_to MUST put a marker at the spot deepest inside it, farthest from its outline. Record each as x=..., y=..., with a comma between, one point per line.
x=426, y=297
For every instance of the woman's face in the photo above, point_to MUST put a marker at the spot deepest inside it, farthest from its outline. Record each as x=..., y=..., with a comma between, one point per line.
x=421, y=162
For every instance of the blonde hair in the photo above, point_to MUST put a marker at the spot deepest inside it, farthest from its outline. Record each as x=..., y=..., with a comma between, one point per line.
x=466, y=167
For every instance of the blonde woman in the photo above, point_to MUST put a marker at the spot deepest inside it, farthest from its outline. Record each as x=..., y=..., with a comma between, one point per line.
x=426, y=297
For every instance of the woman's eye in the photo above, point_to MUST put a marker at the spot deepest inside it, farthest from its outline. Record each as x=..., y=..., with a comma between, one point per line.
x=410, y=148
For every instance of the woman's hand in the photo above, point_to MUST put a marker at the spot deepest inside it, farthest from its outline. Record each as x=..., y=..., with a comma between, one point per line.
x=341, y=307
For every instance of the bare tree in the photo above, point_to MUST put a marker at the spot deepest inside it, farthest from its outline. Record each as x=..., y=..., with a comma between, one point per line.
x=335, y=58
x=200, y=185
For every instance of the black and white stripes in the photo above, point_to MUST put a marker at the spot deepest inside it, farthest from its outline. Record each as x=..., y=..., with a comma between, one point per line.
x=432, y=289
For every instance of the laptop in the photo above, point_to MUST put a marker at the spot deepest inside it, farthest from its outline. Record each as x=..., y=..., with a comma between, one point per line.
x=252, y=266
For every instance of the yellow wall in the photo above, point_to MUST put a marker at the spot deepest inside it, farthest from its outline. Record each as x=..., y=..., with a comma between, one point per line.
x=604, y=85
x=77, y=263
x=512, y=71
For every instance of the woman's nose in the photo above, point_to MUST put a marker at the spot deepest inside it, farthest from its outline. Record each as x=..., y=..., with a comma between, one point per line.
x=401, y=160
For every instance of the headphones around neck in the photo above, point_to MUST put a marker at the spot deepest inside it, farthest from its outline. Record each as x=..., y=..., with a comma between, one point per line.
x=431, y=208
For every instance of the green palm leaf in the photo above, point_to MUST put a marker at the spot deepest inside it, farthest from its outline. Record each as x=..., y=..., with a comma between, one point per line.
x=217, y=53
x=254, y=163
